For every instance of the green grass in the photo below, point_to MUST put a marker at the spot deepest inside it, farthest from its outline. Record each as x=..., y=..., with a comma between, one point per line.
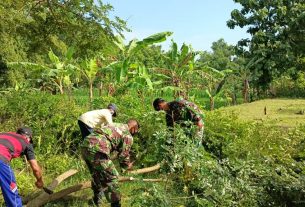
x=279, y=112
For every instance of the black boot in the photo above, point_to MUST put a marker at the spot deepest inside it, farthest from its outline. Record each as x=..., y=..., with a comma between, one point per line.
x=116, y=204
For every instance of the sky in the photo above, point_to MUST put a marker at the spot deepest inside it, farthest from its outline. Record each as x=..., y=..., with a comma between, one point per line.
x=195, y=22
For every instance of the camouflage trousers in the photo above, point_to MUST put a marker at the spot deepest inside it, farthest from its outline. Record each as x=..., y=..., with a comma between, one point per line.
x=104, y=176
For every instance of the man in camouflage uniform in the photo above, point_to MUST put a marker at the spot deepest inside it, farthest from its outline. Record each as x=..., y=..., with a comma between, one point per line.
x=184, y=113
x=96, y=150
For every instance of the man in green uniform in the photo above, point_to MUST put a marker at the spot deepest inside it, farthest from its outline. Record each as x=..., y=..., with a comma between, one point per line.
x=96, y=150
x=185, y=113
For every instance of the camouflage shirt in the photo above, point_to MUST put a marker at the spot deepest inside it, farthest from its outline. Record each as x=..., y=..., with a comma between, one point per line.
x=111, y=138
x=181, y=112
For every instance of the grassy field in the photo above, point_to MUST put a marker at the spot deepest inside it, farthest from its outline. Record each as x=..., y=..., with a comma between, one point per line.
x=279, y=112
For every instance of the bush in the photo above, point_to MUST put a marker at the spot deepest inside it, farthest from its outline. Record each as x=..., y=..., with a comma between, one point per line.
x=286, y=86
x=52, y=118
x=241, y=164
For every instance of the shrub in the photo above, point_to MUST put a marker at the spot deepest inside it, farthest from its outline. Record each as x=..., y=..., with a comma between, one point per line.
x=52, y=118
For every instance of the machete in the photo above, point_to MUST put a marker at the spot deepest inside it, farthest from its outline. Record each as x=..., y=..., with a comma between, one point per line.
x=47, y=190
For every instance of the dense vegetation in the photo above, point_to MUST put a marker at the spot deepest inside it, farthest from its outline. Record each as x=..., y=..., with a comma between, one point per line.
x=62, y=58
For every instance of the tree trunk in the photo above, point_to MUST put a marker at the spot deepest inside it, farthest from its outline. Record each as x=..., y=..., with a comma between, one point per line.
x=246, y=91
x=100, y=89
x=212, y=104
x=81, y=186
x=90, y=91
x=61, y=89
x=111, y=89
x=42, y=198
x=234, y=98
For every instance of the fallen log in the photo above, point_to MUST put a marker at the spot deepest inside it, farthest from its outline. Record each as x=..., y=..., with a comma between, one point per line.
x=84, y=185
x=41, y=198
x=33, y=202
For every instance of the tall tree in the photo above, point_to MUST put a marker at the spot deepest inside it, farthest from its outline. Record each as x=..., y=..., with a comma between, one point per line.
x=30, y=28
x=277, y=36
x=221, y=56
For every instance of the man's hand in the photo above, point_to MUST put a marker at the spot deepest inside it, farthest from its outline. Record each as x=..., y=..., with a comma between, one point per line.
x=37, y=173
x=39, y=183
x=130, y=166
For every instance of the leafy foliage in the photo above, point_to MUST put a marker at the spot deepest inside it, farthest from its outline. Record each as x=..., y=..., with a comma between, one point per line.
x=53, y=122
x=277, y=33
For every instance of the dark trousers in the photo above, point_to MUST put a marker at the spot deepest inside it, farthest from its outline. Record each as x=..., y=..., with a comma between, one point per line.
x=84, y=129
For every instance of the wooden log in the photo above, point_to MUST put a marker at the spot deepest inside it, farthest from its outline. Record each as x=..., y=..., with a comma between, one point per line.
x=84, y=185
x=43, y=196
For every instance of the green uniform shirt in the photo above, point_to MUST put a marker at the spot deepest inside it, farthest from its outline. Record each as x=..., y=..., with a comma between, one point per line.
x=111, y=138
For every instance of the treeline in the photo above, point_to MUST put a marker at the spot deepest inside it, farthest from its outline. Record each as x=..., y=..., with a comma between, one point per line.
x=58, y=46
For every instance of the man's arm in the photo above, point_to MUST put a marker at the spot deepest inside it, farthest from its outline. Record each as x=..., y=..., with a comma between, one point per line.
x=200, y=124
x=37, y=173
x=124, y=156
x=105, y=114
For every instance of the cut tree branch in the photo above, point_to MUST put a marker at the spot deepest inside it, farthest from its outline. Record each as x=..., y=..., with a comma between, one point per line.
x=82, y=186
x=145, y=170
x=43, y=196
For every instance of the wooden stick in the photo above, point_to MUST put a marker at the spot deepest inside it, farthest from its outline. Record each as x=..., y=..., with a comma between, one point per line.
x=145, y=170
x=126, y=179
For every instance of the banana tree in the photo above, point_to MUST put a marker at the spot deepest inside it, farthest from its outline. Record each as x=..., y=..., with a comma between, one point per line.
x=180, y=64
x=61, y=70
x=125, y=68
x=90, y=69
x=215, y=81
x=57, y=74
x=140, y=78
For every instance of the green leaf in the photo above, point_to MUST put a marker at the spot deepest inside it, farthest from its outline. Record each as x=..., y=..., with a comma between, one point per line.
x=54, y=59
x=174, y=51
x=184, y=50
x=131, y=47
x=208, y=93
x=90, y=68
x=213, y=71
x=28, y=65
x=119, y=42
x=155, y=38
x=149, y=83
x=70, y=53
